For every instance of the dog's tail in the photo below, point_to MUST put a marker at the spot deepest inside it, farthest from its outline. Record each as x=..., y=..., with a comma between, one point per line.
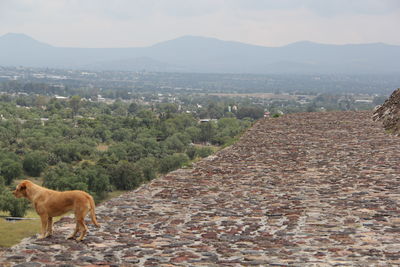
x=92, y=211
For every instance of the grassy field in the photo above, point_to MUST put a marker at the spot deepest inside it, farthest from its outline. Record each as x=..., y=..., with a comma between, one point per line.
x=13, y=232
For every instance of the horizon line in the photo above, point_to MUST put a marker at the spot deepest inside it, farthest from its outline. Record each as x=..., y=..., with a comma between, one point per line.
x=198, y=36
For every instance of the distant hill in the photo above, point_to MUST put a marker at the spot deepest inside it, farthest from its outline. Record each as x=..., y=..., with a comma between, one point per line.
x=207, y=55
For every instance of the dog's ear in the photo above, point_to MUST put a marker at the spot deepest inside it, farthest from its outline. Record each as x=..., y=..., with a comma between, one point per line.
x=23, y=189
x=22, y=186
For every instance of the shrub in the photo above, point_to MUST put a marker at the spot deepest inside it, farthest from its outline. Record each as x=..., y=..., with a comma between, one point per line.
x=62, y=177
x=173, y=162
x=148, y=166
x=97, y=179
x=174, y=143
x=121, y=135
x=34, y=163
x=203, y=152
x=253, y=112
x=17, y=207
x=191, y=152
x=207, y=131
x=125, y=175
x=68, y=152
x=10, y=169
x=53, y=159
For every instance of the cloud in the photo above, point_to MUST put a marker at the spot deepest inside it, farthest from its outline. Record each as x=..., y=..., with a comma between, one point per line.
x=325, y=8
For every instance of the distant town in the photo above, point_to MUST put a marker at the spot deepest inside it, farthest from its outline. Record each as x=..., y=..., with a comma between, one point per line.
x=274, y=93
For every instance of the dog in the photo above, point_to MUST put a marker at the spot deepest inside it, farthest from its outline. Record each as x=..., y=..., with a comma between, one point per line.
x=49, y=203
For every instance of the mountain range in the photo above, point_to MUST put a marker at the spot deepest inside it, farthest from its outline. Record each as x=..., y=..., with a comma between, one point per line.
x=206, y=55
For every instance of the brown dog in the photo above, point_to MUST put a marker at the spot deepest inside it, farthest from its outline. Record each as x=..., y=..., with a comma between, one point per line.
x=49, y=203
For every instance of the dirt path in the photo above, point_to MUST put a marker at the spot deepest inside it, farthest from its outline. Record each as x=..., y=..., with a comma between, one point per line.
x=315, y=189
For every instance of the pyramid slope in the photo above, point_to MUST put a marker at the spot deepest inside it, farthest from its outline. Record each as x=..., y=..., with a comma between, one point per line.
x=301, y=190
x=389, y=113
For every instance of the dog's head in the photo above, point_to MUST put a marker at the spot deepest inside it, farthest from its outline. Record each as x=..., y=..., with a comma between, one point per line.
x=21, y=189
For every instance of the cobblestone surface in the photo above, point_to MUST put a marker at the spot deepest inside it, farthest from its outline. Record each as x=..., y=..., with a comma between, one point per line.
x=389, y=113
x=314, y=189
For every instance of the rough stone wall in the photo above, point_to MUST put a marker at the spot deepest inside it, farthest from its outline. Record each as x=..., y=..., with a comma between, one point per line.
x=313, y=189
x=389, y=113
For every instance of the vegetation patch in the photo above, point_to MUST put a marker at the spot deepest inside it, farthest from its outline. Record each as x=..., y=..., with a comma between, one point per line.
x=12, y=232
x=101, y=148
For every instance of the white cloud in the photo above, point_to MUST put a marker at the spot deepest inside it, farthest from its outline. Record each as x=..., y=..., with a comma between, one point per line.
x=325, y=7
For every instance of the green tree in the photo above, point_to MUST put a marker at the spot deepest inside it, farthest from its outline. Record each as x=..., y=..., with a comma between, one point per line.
x=68, y=152
x=75, y=104
x=167, y=110
x=194, y=133
x=62, y=177
x=125, y=175
x=134, y=151
x=10, y=169
x=227, y=129
x=149, y=167
x=133, y=108
x=203, y=152
x=116, y=151
x=173, y=162
x=215, y=110
x=207, y=131
x=102, y=133
x=150, y=145
x=40, y=101
x=253, y=112
x=174, y=143
x=9, y=131
x=148, y=118
x=8, y=203
x=122, y=134
x=34, y=163
x=97, y=178
x=191, y=152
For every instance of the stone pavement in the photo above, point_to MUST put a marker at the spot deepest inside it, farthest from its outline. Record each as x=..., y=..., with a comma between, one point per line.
x=311, y=189
x=389, y=113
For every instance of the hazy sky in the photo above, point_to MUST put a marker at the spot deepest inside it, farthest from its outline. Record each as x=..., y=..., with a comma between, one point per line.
x=132, y=23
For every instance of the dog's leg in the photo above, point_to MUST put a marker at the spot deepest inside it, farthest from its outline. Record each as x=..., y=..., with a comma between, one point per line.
x=44, y=219
x=49, y=227
x=74, y=233
x=83, y=228
x=80, y=215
